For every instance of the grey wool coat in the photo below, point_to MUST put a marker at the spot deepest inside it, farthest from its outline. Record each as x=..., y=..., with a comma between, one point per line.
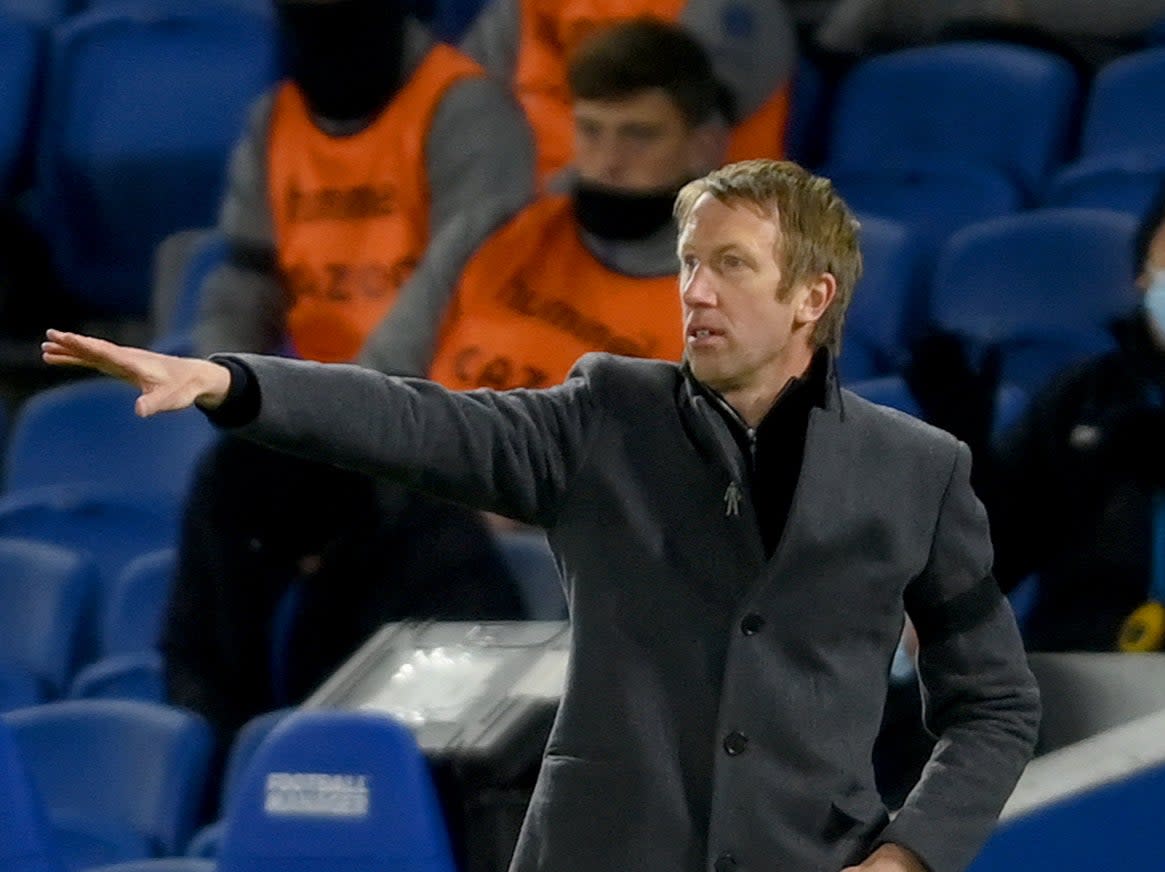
x=720, y=708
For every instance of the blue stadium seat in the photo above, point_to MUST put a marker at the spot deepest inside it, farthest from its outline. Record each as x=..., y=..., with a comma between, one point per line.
x=42, y=14
x=130, y=665
x=20, y=67
x=106, y=525
x=1041, y=285
x=18, y=687
x=122, y=780
x=1115, y=825
x=997, y=105
x=142, y=106
x=879, y=317
x=136, y=607
x=206, y=841
x=49, y=598
x=336, y=791
x=1126, y=106
x=933, y=197
x=1125, y=183
x=1122, y=147
x=86, y=432
x=530, y=561
x=136, y=675
x=25, y=835
x=805, y=133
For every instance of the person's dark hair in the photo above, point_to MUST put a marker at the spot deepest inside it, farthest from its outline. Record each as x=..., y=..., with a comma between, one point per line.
x=643, y=53
x=1151, y=220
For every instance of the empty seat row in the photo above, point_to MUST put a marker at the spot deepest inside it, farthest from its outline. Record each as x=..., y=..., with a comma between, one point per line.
x=86, y=783
x=942, y=136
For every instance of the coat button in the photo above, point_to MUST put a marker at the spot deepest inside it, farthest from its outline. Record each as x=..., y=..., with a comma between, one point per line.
x=724, y=863
x=751, y=624
x=735, y=743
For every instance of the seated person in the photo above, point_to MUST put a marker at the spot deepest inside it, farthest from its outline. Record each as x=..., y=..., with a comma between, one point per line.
x=751, y=44
x=1075, y=488
x=1072, y=489
x=592, y=269
x=379, y=140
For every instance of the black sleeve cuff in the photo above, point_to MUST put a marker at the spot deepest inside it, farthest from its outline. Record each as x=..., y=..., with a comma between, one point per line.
x=241, y=405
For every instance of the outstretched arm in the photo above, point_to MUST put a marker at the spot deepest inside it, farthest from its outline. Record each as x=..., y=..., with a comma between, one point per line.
x=167, y=383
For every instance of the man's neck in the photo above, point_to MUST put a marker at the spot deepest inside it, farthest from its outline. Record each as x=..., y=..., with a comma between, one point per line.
x=753, y=402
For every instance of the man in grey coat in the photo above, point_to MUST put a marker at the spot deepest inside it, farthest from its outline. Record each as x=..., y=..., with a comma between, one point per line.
x=740, y=540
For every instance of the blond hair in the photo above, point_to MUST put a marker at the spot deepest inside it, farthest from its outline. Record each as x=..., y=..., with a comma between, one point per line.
x=819, y=234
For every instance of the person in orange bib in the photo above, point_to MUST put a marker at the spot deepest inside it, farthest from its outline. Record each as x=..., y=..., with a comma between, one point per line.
x=591, y=269
x=529, y=43
x=379, y=139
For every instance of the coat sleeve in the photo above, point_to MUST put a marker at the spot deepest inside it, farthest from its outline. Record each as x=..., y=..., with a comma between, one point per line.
x=511, y=452
x=980, y=698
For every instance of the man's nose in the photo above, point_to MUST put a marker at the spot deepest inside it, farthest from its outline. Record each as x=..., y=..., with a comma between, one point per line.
x=697, y=289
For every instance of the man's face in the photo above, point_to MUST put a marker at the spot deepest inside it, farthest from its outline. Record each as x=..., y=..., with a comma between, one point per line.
x=739, y=337
x=638, y=144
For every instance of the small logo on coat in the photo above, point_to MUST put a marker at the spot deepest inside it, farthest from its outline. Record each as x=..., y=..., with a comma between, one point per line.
x=732, y=500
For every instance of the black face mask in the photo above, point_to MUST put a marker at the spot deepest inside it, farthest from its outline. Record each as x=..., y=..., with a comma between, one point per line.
x=345, y=55
x=610, y=213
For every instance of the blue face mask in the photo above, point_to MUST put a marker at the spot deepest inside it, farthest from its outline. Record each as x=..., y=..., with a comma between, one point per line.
x=1155, y=299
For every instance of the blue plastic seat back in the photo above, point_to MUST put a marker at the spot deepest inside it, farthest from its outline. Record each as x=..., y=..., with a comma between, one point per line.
x=1042, y=285
x=528, y=557
x=136, y=607
x=1123, y=182
x=49, y=596
x=137, y=675
x=336, y=791
x=1109, y=826
x=1126, y=106
x=805, y=133
x=18, y=686
x=1003, y=106
x=143, y=105
x=206, y=841
x=107, y=526
x=21, y=47
x=121, y=767
x=877, y=321
x=933, y=197
x=87, y=432
x=42, y=14
x=25, y=835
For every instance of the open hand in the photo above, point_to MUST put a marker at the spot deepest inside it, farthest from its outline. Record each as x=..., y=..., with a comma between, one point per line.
x=167, y=383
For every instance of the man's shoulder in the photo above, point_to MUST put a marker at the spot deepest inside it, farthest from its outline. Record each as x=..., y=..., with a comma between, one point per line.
x=634, y=378
x=892, y=425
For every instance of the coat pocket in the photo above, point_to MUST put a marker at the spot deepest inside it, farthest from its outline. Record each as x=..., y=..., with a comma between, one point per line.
x=854, y=822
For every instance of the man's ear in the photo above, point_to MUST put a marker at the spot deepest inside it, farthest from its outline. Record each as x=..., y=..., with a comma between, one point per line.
x=816, y=298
